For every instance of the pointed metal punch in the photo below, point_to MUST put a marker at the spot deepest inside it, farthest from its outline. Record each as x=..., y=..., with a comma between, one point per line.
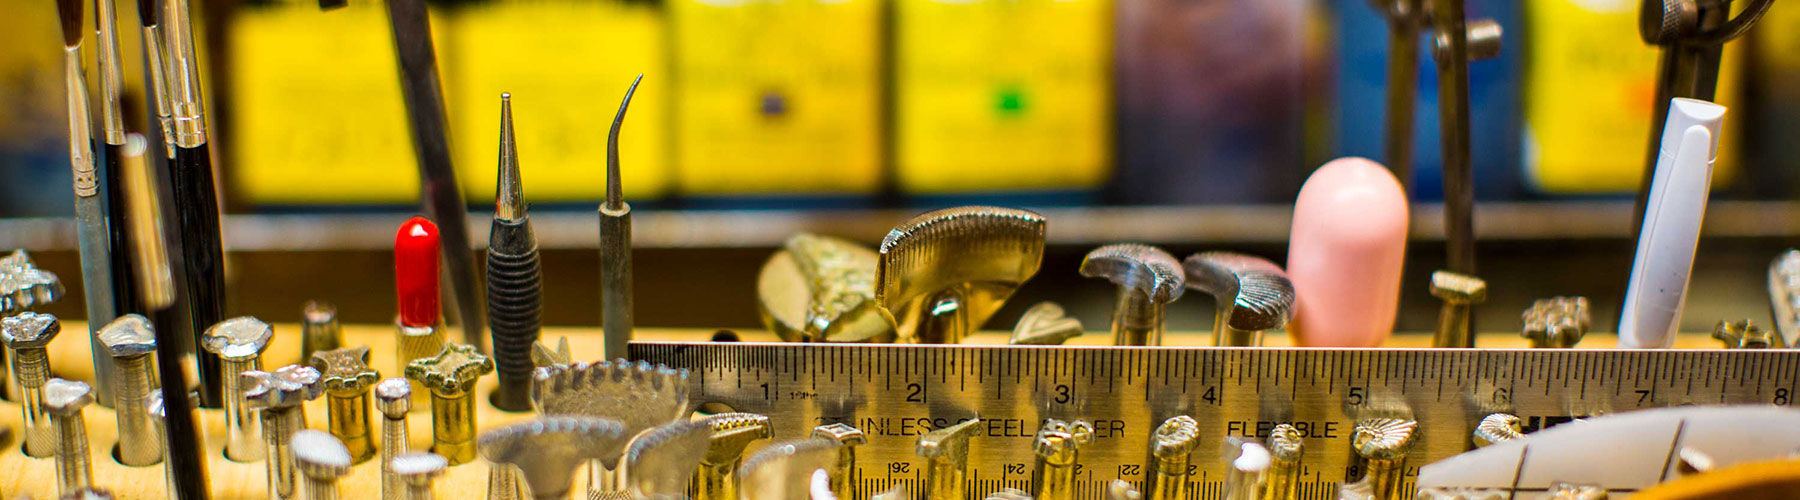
x=1148, y=278
x=821, y=289
x=1253, y=295
x=944, y=273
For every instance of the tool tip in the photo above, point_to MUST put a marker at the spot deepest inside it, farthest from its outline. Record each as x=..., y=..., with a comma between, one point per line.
x=69, y=12
x=614, y=191
x=509, y=190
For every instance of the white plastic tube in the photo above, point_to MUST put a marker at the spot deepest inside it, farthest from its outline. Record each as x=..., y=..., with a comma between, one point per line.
x=1671, y=232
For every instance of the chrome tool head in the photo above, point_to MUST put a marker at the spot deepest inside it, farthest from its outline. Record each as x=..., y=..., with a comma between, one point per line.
x=345, y=372
x=23, y=285
x=319, y=455
x=418, y=466
x=1059, y=442
x=29, y=330
x=393, y=398
x=1556, y=321
x=1495, y=428
x=286, y=387
x=1252, y=294
x=640, y=395
x=783, y=471
x=452, y=371
x=1175, y=438
x=238, y=339
x=66, y=398
x=129, y=335
x=1743, y=335
x=1458, y=288
x=509, y=191
x=821, y=289
x=1045, y=323
x=1383, y=438
x=548, y=450
x=944, y=273
x=1136, y=268
x=662, y=461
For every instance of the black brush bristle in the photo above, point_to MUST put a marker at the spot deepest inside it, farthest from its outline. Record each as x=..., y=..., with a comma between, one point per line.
x=149, y=12
x=69, y=12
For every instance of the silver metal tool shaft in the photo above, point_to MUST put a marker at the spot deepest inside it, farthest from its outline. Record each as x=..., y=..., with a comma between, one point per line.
x=130, y=340
x=27, y=337
x=65, y=399
x=1460, y=292
x=451, y=377
x=1282, y=482
x=393, y=397
x=418, y=470
x=319, y=329
x=239, y=343
x=1147, y=278
x=278, y=397
x=615, y=246
x=90, y=210
x=322, y=459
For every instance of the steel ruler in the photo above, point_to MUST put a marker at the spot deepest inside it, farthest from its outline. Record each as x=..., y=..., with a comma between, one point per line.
x=895, y=393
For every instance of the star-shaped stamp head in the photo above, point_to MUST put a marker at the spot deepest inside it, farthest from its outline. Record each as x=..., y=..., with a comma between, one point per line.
x=238, y=339
x=452, y=371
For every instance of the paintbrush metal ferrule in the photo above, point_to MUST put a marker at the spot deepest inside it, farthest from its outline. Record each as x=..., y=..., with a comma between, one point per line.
x=157, y=73
x=187, y=107
x=81, y=140
x=106, y=31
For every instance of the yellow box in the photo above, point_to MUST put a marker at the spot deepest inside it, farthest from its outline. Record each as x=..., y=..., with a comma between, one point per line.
x=777, y=96
x=317, y=114
x=1588, y=93
x=1002, y=94
x=567, y=64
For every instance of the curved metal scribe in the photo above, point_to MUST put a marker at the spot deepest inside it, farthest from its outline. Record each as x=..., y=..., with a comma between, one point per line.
x=1253, y=295
x=944, y=273
x=547, y=451
x=1147, y=278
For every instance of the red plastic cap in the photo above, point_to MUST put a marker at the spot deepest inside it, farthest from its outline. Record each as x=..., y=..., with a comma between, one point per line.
x=416, y=250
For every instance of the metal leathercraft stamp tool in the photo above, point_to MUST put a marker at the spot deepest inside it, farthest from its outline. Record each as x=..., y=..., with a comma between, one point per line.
x=393, y=398
x=731, y=433
x=942, y=274
x=784, y=470
x=451, y=376
x=1460, y=292
x=1558, y=322
x=1743, y=335
x=347, y=378
x=1246, y=463
x=1496, y=428
x=821, y=289
x=662, y=461
x=1784, y=296
x=238, y=343
x=418, y=470
x=1171, y=444
x=1148, y=279
x=27, y=336
x=65, y=399
x=130, y=341
x=843, y=472
x=24, y=286
x=1455, y=42
x=542, y=356
x=319, y=329
x=322, y=459
x=1383, y=443
x=1058, y=447
x=946, y=453
x=638, y=395
x=1252, y=294
x=615, y=246
x=278, y=397
x=1044, y=323
x=514, y=280
x=546, y=452
x=1282, y=481
x=1118, y=489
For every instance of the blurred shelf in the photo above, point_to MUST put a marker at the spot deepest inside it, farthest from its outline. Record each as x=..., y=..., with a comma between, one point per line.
x=1167, y=225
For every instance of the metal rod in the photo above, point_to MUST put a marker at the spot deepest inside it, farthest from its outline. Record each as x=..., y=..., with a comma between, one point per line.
x=440, y=193
x=615, y=246
x=1402, y=88
x=195, y=199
